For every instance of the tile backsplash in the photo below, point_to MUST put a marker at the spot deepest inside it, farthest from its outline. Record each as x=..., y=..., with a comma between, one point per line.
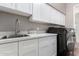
x=7, y=23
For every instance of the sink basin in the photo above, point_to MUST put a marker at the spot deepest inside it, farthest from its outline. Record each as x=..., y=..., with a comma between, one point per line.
x=19, y=35
x=15, y=36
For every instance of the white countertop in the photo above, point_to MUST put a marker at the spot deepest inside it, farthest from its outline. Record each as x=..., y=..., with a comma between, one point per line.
x=31, y=36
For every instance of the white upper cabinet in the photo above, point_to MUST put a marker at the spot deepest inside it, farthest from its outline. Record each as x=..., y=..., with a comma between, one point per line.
x=36, y=12
x=47, y=14
x=7, y=5
x=57, y=17
x=24, y=7
x=39, y=13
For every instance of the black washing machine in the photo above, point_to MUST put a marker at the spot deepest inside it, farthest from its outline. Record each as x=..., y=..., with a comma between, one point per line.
x=62, y=49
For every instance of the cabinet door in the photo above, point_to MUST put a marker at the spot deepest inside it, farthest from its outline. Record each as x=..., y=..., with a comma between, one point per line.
x=56, y=17
x=40, y=13
x=45, y=13
x=36, y=13
x=62, y=19
x=47, y=46
x=9, y=49
x=8, y=5
x=24, y=7
x=28, y=48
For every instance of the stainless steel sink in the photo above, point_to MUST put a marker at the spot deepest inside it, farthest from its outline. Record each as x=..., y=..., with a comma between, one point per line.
x=14, y=36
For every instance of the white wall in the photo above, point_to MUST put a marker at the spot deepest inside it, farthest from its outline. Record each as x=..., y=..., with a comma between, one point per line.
x=69, y=22
x=77, y=26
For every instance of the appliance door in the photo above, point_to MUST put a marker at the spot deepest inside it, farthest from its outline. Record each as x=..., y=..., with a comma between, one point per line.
x=61, y=45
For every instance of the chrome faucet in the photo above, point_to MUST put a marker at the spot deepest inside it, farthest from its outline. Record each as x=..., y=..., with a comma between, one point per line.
x=17, y=24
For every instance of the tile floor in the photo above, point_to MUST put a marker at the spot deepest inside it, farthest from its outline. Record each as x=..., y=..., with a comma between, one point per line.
x=76, y=52
x=76, y=49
